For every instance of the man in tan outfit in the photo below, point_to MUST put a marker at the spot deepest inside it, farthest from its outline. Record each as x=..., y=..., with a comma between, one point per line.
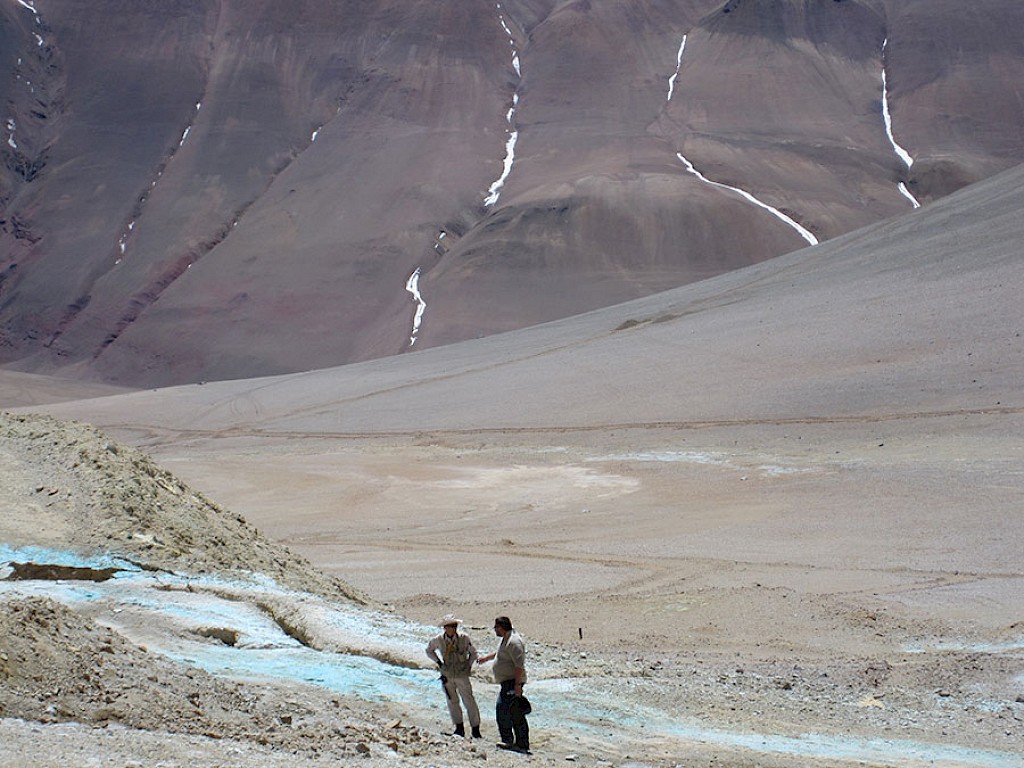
x=456, y=662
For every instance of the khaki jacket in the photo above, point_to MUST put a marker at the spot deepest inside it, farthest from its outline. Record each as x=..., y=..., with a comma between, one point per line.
x=456, y=657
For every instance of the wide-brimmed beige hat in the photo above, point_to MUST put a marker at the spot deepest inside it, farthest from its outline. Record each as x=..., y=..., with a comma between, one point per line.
x=449, y=618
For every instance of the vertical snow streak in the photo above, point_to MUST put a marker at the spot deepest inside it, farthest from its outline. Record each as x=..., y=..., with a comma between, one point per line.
x=907, y=194
x=887, y=117
x=30, y=5
x=188, y=128
x=122, y=243
x=804, y=233
x=510, y=155
x=679, y=63
x=511, y=42
x=494, y=191
x=412, y=285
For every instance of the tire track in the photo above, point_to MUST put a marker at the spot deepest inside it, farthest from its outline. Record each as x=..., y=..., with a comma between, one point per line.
x=155, y=432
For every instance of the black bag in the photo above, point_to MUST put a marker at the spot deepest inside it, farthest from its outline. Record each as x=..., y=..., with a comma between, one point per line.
x=522, y=704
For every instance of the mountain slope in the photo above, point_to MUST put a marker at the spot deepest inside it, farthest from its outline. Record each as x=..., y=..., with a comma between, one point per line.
x=208, y=190
x=909, y=318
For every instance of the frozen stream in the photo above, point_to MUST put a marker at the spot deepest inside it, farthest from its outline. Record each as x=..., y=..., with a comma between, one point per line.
x=378, y=656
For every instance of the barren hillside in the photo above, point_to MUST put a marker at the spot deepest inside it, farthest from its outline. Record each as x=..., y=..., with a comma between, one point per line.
x=205, y=190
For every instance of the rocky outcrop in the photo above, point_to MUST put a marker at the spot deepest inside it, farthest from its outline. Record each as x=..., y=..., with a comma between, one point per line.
x=117, y=500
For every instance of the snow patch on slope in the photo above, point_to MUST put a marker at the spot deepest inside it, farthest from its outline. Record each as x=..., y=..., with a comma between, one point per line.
x=494, y=192
x=887, y=119
x=887, y=115
x=30, y=4
x=122, y=243
x=802, y=231
x=412, y=285
x=675, y=75
x=908, y=194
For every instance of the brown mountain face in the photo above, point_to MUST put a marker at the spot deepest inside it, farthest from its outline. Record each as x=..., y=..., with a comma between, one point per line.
x=196, y=190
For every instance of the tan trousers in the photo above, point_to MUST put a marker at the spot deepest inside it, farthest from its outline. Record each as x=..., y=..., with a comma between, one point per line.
x=462, y=686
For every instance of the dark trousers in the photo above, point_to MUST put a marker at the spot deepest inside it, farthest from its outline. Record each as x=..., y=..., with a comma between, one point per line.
x=512, y=725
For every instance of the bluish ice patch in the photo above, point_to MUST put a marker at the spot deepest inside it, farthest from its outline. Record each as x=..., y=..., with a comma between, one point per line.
x=202, y=610
x=689, y=457
x=383, y=628
x=44, y=556
x=589, y=707
x=205, y=601
x=1006, y=646
x=358, y=676
x=193, y=610
x=597, y=712
x=695, y=457
x=774, y=470
x=852, y=748
x=67, y=592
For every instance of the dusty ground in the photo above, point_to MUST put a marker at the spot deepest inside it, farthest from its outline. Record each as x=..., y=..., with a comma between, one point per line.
x=772, y=607
x=74, y=689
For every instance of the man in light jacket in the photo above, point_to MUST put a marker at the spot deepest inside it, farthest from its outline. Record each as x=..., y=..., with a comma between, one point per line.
x=456, y=662
x=510, y=673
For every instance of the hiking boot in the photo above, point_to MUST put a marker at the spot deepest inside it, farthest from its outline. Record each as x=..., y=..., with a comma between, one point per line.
x=460, y=730
x=476, y=732
x=515, y=748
